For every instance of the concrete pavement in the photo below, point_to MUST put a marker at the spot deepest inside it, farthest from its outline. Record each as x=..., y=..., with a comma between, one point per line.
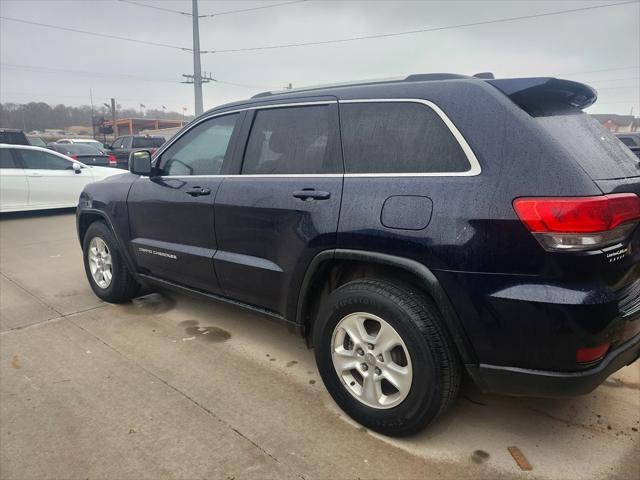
x=175, y=387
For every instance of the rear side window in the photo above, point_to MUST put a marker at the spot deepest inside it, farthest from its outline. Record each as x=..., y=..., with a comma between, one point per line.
x=13, y=138
x=147, y=142
x=292, y=140
x=398, y=137
x=596, y=149
x=628, y=141
x=6, y=159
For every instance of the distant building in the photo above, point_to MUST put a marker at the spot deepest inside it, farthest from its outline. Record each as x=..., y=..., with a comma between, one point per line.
x=132, y=126
x=618, y=123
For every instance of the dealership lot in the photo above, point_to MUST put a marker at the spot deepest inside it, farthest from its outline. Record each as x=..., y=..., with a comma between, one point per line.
x=174, y=386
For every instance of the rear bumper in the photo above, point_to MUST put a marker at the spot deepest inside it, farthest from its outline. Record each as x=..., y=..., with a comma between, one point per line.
x=541, y=383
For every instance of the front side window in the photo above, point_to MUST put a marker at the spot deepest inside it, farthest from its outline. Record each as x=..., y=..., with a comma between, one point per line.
x=117, y=143
x=6, y=159
x=34, y=159
x=292, y=140
x=202, y=150
x=398, y=137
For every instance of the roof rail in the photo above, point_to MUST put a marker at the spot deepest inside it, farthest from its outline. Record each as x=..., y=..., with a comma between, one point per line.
x=418, y=77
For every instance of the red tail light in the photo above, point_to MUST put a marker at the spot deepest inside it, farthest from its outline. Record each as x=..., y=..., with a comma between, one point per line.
x=112, y=160
x=579, y=223
x=586, y=355
x=75, y=157
x=152, y=150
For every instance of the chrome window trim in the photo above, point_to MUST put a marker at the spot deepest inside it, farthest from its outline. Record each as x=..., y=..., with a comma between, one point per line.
x=474, y=170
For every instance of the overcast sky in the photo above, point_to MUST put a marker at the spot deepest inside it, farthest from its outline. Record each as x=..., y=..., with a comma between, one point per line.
x=55, y=66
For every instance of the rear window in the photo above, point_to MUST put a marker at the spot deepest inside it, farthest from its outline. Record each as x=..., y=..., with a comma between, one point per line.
x=147, y=142
x=402, y=137
x=77, y=149
x=13, y=138
x=596, y=149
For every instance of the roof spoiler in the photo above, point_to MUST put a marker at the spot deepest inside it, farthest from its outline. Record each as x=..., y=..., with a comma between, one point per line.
x=546, y=95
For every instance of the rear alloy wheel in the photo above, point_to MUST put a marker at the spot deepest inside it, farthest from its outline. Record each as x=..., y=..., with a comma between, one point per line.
x=385, y=357
x=372, y=360
x=106, y=269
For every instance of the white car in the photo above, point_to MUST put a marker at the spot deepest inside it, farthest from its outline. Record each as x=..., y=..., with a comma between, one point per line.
x=34, y=178
x=90, y=141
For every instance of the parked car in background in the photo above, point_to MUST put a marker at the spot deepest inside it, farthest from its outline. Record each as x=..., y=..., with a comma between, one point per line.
x=35, y=178
x=631, y=140
x=36, y=141
x=89, y=141
x=86, y=153
x=124, y=145
x=409, y=230
x=13, y=136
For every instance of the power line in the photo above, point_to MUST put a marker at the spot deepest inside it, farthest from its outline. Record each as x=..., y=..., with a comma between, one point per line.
x=251, y=9
x=103, y=35
x=34, y=68
x=413, y=32
x=228, y=12
x=155, y=7
x=598, y=71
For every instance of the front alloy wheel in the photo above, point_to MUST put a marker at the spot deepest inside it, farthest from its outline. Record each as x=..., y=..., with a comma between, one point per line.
x=100, y=264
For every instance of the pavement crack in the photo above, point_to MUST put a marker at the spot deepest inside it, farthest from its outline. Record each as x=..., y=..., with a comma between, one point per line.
x=185, y=395
x=24, y=289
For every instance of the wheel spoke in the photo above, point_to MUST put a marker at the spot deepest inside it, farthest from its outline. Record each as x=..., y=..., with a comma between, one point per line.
x=399, y=377
x=371, y=389
x=387, y=339
x=344, y=360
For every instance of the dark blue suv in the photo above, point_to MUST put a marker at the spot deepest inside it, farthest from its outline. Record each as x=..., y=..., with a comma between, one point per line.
x=409, y=230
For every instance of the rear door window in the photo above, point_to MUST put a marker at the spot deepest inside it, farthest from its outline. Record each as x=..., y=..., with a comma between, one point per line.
x=293, y=140
x=596, y=149
x=398, y=137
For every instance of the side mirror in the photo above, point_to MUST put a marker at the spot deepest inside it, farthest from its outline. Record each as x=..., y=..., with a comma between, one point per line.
x=140, y=162
x=77, y=167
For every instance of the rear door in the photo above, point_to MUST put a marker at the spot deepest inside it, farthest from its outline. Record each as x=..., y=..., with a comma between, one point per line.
x=52, y=179
x=14, y=190
x=282, y=206
x=171, y=213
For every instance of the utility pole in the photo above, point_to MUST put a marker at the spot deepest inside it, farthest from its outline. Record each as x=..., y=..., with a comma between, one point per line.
x=197, y=75
x=93, y=119
x=113, y=118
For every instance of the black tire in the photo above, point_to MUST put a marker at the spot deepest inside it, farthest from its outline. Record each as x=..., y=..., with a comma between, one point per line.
x=434, y=359
x=123, y=286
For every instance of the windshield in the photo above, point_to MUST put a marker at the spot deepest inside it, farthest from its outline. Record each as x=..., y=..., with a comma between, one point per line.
x=147, y=142
x=596, y=149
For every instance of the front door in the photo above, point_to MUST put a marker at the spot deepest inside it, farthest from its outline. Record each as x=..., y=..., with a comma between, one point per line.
x=282, y=206
x=51, y=178
x=171, y=212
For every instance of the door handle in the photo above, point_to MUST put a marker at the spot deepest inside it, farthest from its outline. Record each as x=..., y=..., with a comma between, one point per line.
x=311, y=194
x=35, y=174
x=199, y=191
